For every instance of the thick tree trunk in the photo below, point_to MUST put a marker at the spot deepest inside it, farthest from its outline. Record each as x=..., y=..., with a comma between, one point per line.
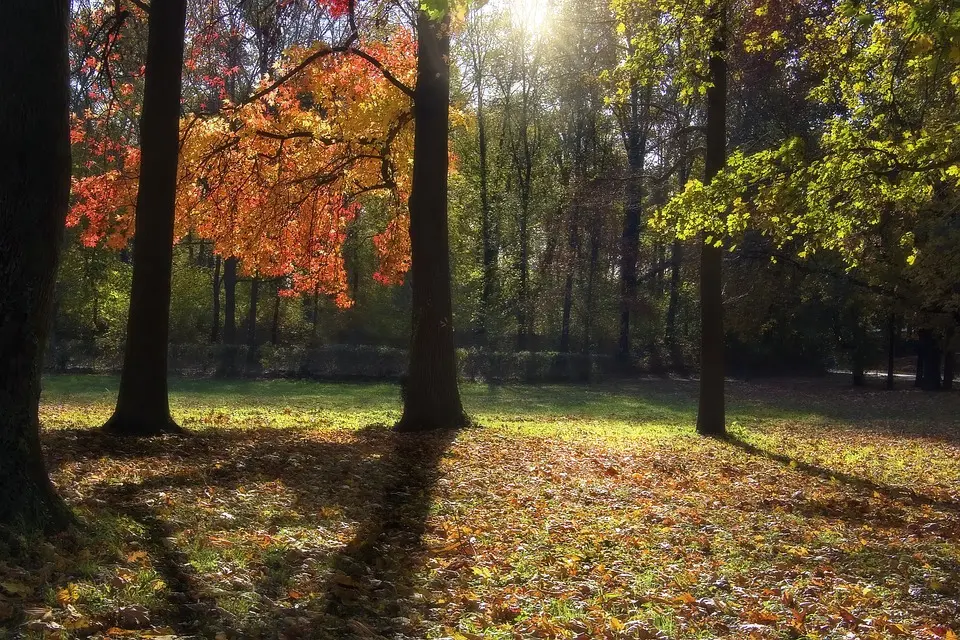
x=230, y=301
x=929, y=361
x=431, y=398
x=710, y=413
x=217, y=280
x=34, y=192
x=143, y=408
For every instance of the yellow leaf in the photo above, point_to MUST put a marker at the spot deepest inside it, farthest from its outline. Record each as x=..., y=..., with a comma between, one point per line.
x=616, y=625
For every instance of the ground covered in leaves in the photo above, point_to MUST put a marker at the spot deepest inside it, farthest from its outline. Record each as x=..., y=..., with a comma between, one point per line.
x=292, y=511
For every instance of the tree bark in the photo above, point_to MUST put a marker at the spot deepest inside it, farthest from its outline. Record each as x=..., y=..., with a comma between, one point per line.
x=230, y=301
x=630, y=237
x=929, y=361
x=143, y=408
x=891, y=349
x=710, y=412
x=252, y=320
x=275, y=325
x=34, y=195
x=431, y=397
x=217, y=281
x=673, y=304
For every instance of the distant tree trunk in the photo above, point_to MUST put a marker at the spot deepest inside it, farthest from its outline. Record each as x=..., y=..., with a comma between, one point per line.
x=217, y=280
x=252, y=320
x=589, y=311
x=230, y=301
x=523, y=292
x=891, y=349
x=710, y=413
x=949, y=365
x=34, y=195
x=275, y=325
x=572, y=256
x=929, y=361
x=489, y=247
x=431, y=398
x=673, y=342
x=630, y=237
x=142, y=405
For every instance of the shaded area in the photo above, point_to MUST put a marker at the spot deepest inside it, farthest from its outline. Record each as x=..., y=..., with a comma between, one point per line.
x=266, y=531
x=825, y=473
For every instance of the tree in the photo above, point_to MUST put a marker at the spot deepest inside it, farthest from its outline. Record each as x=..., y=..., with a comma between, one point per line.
x=143, y=408
x=34, y=193
x=431, y=397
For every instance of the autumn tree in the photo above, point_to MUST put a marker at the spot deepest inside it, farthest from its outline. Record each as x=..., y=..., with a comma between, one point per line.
x=34, y=192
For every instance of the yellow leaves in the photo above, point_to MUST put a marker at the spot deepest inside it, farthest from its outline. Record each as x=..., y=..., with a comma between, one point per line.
x=68, y=595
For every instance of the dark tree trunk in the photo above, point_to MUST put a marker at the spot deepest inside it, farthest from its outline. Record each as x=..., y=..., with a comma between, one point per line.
x=673, y=342
x=431, y=398
x=891, y=348
x=275, y=325
x=252, y=320
x=594, y=260
x=929, y=361
x=949, y=364
x=710, y=413
x=34, y=193
x=572, y=256
x=630, y=237
x=230, y=301
x=215, y=328
x=489, y=247
x=143, y=408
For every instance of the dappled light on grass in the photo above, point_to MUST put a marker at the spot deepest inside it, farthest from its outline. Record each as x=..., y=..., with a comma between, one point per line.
x=574, y=512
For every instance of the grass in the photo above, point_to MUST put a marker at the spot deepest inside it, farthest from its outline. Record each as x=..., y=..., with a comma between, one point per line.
x=572, y=512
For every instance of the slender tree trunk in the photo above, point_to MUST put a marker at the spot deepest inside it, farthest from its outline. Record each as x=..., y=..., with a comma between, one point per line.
x=572, y=257
x=523, y=302
x=630, y=237
x=275, y=325
x=486, y=220
x=891, y=348
x=710, y=413
x=215, y=328
x=230, y=301
x=142, y=405
x=431, y=397
x=252, y=320
x=673, y=304
x=949, y=366
x=591, y=287
x=34, y=192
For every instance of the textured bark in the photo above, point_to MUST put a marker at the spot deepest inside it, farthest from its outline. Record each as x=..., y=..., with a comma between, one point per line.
x=143, y=408
x=275, y=324
x=230, y=301
x=217, y=282
x=34, y=193
x=636, y=143
x=431, y=397
x=673, y=342
x=252, y=321
x=929, y=360
x=710, y=412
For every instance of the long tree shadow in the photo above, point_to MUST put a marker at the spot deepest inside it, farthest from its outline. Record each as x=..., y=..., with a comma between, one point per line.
x=372, y=588
x=863, y=484
x=296, y=577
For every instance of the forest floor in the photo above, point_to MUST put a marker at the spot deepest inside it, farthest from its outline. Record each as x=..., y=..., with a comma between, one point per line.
x=292, y=511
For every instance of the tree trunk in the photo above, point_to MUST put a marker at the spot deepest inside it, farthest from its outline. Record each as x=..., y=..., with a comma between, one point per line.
x=929, y=360
x=673, y=342
x=34, y=195
x=891, y=348
x=572, y=256
x=230, y=301
x=595, y=234
x=486, y=221
x=143, y=408
x=252, y=321
x=431, y=398
x=949, y=365
x=710, y=413
x=630, y=237
x=217, y=280
x=275, y=325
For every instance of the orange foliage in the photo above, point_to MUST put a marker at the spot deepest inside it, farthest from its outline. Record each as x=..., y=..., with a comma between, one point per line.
x=276, y=182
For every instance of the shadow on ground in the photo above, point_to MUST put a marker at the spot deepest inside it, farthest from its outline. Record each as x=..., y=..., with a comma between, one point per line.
x=264, y=532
